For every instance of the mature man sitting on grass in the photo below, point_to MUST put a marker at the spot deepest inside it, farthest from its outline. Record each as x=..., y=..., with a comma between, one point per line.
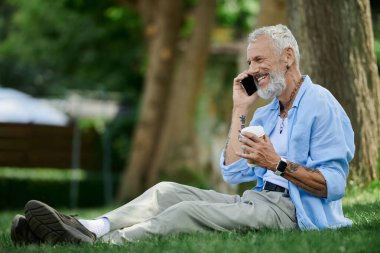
x=301, y=165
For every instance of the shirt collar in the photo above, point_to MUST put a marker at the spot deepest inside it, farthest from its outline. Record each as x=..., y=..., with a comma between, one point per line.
x=274, y=105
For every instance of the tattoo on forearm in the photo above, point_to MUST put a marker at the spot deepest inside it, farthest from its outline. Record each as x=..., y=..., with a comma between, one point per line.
x=293, y=167
x=242, y=121
x=316, y=187
x=314, y=184
x=309, y=169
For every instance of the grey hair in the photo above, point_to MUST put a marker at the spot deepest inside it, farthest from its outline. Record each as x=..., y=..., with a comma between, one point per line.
x=281, y=36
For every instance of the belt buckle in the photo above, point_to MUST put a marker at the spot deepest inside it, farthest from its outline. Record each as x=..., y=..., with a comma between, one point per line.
x=286, y=193
x=268, y=186
x=276, y=188
x=265, y=183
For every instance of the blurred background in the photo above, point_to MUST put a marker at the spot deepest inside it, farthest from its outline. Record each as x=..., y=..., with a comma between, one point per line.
x=100, y=99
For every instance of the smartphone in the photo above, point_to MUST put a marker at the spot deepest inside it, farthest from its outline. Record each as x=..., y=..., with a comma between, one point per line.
x=249, y=85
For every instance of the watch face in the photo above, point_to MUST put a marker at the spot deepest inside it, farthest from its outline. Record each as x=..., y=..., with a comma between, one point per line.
x=281, y=166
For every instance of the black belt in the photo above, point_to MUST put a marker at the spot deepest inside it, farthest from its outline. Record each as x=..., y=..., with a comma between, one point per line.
x=268, y=186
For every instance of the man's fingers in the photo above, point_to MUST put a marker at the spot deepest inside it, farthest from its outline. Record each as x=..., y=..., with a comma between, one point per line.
x=243, y=155
x=251, y=136
x=247, y=149
x=266, y=138
x=246, y=140
x=240, y=77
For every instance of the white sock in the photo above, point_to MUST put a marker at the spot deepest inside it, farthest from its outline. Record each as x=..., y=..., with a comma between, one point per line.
x=99, y=226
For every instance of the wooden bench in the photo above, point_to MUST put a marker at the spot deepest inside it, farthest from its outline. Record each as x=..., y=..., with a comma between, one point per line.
x=29, y=145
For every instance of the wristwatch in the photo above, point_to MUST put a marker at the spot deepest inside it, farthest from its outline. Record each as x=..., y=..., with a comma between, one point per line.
x=281, y=166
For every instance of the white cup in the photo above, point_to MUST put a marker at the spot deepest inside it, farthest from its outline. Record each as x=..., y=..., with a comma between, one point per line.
x=259, y=132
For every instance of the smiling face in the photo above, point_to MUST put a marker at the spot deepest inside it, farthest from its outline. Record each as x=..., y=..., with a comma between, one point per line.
x=265, y=65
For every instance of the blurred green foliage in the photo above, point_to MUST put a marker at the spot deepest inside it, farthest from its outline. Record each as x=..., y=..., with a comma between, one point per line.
x=51, y=46
x=47, y=47
x=240, y=15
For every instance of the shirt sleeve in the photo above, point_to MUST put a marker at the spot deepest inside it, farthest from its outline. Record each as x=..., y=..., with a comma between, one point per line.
x=332, y=147
x=237, y=172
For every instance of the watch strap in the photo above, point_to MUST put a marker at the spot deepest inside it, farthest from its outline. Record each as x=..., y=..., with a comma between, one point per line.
x=281, y=166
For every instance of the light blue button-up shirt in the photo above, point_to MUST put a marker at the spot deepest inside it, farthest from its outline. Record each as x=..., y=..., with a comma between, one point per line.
x=321, y=137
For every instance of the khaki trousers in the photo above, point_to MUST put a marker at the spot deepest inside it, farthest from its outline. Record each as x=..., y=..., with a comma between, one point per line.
x=170, y=208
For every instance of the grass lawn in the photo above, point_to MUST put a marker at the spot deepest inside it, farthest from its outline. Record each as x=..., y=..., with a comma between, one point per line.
x=362, y=206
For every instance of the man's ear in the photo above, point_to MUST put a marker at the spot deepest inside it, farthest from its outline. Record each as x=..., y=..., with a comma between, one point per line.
x=289, y=56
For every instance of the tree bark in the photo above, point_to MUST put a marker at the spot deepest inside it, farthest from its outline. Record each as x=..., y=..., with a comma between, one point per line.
x=337, y=50
x=272, y=12
x=163, y=20
x=178, y=143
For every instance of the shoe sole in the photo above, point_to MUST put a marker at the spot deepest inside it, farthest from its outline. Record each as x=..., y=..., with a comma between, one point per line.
x=48, y=225
x=15, y=223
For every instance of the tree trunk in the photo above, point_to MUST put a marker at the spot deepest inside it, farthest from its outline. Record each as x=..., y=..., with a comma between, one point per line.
x=163, y=21
x=337, y=50
x=272, y=12
x=177, y=146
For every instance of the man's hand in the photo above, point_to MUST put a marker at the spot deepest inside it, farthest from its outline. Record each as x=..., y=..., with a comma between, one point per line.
x=259, y=150
x=240, y=96
x=242, y=103
x=262, y=153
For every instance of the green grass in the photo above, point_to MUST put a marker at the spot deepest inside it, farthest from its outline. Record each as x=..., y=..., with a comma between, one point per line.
x=362, y=206
x=39, y=174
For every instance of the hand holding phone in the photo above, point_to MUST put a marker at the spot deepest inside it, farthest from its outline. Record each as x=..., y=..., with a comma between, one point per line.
x=249, y=85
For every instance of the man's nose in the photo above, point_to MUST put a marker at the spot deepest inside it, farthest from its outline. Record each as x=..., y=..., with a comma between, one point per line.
x=253, y=69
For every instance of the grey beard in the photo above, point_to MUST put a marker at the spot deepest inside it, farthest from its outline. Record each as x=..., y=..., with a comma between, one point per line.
x=275, y=87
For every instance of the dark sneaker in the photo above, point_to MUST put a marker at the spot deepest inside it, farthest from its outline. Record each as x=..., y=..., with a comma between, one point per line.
x=54, y=227
x=21, y=232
